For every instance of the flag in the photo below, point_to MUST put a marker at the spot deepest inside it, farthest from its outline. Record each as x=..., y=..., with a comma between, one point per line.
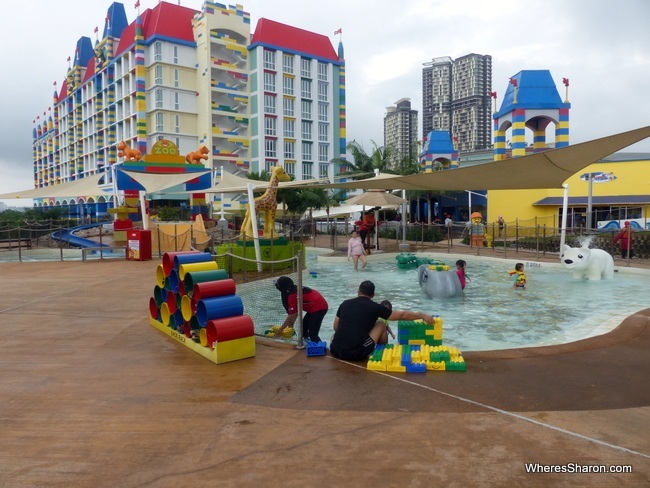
x=565, y=81
x=339, y=31
x=493, y=94
x=54, y=83
x=513, y=82
x=96, y=29
x=137, y=4
x=69, y=58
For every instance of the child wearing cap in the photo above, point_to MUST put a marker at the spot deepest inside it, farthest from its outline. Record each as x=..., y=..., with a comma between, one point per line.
x=312, y=302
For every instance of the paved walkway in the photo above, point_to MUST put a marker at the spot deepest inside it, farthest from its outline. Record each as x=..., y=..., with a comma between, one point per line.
x=92, y=396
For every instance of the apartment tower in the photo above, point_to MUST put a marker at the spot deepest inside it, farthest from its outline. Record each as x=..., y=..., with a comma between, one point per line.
x=456, y=98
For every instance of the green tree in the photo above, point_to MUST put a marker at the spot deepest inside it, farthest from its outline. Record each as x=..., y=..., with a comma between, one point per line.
x=364, y=164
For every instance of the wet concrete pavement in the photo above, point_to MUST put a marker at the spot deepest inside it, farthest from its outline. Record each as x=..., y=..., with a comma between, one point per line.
x=93, y=396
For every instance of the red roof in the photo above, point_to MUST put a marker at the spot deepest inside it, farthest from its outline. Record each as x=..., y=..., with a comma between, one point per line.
x=64, y=91
x=165, y=20
x=287, y=38
x=170, y=20
x=90, y=70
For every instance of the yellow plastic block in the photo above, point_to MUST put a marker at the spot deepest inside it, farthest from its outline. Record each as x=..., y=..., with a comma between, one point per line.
x=418, y=342
x=396, y=368
x=376, y=366
x=436, y=366
x=416, y=356
x=223, y=351
x=236, y=349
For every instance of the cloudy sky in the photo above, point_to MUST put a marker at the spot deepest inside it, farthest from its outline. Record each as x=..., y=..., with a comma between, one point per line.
x=602, y=47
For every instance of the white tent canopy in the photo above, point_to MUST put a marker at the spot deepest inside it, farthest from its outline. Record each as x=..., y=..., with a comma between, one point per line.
x=231, y=183
x=88, y=186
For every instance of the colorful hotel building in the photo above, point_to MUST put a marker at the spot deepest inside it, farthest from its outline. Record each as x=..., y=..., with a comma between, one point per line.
x=197, y=78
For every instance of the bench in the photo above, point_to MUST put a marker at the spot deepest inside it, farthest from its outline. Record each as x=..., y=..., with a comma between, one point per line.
x=15, y=243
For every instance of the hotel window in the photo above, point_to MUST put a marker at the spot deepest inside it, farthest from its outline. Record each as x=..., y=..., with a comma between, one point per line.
x=305, y=109
x=159, y=121
x=177, y=124
x=305, y=67
x=290, y=168
x=269, y=82
x=268, y=165
x=322, y=91
x=322, y=71
x=323, y=170
x=269, y=59
x=177, y=104
x=290, y=149
x=175, y=54
x=287, y=85
x=305, y=88
x=269, y=104
x=307, y=171
x=306, y=151
x=288, y=107
x=289, y=127
x=322, y=112
x=159, y=98
x=323, y=130
x=323, y=153
x=287, y=63
x=157, y=51
x=158, y=75
x=306, y=130
x=176, y=79
x=270, y=127
x=270, y=146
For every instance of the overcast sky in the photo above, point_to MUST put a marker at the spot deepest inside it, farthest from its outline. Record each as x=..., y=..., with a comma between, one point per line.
x=603, y=47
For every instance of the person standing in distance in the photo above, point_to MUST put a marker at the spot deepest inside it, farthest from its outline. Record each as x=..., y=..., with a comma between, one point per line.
x=356, y=250
x=358, y=328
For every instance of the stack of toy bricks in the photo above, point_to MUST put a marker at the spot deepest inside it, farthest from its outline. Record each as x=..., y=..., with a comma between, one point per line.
x=419, y=349
x=196, y=303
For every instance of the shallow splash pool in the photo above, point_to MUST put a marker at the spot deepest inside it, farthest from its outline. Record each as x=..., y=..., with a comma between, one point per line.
x=553, y=309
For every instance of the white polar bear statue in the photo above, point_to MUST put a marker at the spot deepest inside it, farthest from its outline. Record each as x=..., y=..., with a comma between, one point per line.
x=593, y=264
x=439, y=284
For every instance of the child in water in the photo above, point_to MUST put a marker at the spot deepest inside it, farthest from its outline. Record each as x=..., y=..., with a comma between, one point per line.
x=389, y=306
x=519, y=276
x=460, y=271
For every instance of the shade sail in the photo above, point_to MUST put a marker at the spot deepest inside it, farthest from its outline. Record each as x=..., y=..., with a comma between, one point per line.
x=237, y=184
x=375, y=198
x=153, y=182
x=83, y=187
x=548, y=169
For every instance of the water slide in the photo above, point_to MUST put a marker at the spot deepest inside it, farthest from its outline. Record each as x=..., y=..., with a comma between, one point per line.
x=68, y=235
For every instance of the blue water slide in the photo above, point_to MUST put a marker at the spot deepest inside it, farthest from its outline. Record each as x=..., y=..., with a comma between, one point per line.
x=68, y=235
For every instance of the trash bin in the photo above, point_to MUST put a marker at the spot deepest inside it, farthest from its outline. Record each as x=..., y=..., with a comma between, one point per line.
x=138, y=245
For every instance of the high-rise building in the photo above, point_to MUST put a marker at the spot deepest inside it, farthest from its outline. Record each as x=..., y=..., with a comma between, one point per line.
x=297, y=89
x=197, y=79
x=401, y=131
x=456, y=98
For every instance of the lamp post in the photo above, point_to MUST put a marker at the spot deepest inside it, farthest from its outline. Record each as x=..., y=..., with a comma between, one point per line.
x=590, y=178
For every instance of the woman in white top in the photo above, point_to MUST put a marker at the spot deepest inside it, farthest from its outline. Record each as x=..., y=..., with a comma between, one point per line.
x=356, y=250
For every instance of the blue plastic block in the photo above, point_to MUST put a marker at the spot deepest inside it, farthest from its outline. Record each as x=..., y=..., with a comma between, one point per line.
x=416, y=368
x=316, y=348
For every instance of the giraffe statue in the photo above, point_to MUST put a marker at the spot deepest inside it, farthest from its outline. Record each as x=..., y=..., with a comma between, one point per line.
x=266, y=202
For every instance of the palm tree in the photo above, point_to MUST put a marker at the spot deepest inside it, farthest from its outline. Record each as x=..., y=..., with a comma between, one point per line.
x=364, y=164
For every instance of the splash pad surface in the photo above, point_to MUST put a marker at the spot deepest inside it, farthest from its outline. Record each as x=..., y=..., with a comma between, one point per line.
x=553, y=309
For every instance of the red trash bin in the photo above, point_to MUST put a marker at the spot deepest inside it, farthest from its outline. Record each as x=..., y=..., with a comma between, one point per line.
x=138, y=245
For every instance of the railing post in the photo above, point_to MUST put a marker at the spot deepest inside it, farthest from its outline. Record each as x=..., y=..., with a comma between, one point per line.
x=517, y=236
